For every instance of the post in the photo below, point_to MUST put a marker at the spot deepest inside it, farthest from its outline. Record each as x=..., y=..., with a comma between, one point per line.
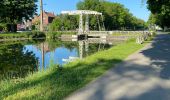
x=86, y=47
x=81, y=24
x=81, y=47
x=87, y=24
x=41, y=15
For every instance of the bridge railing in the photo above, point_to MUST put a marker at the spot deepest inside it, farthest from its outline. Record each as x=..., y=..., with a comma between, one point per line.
x=113, y=32
x=140, y=36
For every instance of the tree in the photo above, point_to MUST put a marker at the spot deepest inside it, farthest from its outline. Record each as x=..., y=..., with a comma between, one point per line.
x=116, y=16
x=95, y=5
x=64, y=22
x=14, y=11
x=161, y=10
x=154, y=19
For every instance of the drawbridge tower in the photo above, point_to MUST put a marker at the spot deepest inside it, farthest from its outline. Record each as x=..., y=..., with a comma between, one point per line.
x=83, y=29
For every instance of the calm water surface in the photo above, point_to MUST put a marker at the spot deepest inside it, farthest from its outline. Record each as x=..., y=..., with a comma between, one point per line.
x=18, y=59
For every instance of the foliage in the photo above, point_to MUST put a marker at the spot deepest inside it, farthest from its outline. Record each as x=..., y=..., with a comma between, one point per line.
x=161, y=10
x=22, y=63
x=60, y=82
x=116, y=16
x=7, y=27
x=56, y=35
x=15, y=10
x=33, y=34
x=64, y=22
x=2, y=26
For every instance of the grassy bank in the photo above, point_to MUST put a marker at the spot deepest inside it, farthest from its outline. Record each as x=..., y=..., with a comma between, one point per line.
x=32, y=35
x=22, y=35
x=125, y=34
x=54, y=35
x=56, y=83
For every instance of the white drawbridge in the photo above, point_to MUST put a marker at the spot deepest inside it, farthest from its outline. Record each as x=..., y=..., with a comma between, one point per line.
x=86, y=13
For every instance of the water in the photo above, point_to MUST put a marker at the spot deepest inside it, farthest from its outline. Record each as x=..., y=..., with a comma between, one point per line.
x=20, y=58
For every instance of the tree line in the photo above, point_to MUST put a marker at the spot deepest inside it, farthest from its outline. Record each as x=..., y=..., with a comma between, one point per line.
x=116, y=17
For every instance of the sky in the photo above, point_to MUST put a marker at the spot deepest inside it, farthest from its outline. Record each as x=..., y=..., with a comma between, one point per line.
x=135, y=6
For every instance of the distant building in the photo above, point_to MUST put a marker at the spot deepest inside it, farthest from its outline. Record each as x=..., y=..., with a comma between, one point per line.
x=47, y=18
x=24, y=25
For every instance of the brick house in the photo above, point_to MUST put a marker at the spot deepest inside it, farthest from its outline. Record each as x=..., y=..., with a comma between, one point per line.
x=48, y=17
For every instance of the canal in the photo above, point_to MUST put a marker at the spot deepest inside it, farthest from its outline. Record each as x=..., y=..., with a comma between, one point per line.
x=20, y=58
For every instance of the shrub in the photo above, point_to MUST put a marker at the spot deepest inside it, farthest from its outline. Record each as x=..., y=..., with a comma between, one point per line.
x=3, y=27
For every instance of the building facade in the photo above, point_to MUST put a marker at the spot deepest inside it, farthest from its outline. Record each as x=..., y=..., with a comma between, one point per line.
x=48, y=18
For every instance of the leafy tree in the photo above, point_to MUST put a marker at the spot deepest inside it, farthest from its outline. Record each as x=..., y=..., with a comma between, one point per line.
x=95, y=5
x=153, y=19
x=14, y=11
x=64, y=22
x=116, y=16
x=161, y=10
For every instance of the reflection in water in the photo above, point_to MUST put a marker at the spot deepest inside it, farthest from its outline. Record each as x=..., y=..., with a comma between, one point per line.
x=44, y=48
x=49, y=52
x=21, y=58
x=16, y=63
x=92, y=45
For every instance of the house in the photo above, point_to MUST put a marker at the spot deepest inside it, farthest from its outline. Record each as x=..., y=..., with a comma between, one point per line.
x=47, y=18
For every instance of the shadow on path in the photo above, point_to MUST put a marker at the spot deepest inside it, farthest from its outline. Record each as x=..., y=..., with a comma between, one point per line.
x=160, y=54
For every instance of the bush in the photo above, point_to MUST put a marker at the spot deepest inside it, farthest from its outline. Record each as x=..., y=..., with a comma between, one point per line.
x=53, y=35
x=3, y=27
x=8, y=27
x=35, y=34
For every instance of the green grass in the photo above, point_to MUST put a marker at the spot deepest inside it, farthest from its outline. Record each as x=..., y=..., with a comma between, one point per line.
x=56, y=83
x=125, y=34
x=28, y=35
x=33, y=34
x=54, y=35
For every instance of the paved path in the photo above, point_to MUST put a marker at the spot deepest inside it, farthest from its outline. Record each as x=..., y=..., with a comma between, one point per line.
x=144, y=75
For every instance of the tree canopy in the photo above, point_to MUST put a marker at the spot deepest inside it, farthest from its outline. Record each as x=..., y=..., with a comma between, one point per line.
x=160, y=11
x=13, y=11
x=116, y=16
x=64, y=22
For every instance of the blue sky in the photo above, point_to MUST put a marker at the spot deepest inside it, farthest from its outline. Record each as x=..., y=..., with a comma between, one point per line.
x=135, y=6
